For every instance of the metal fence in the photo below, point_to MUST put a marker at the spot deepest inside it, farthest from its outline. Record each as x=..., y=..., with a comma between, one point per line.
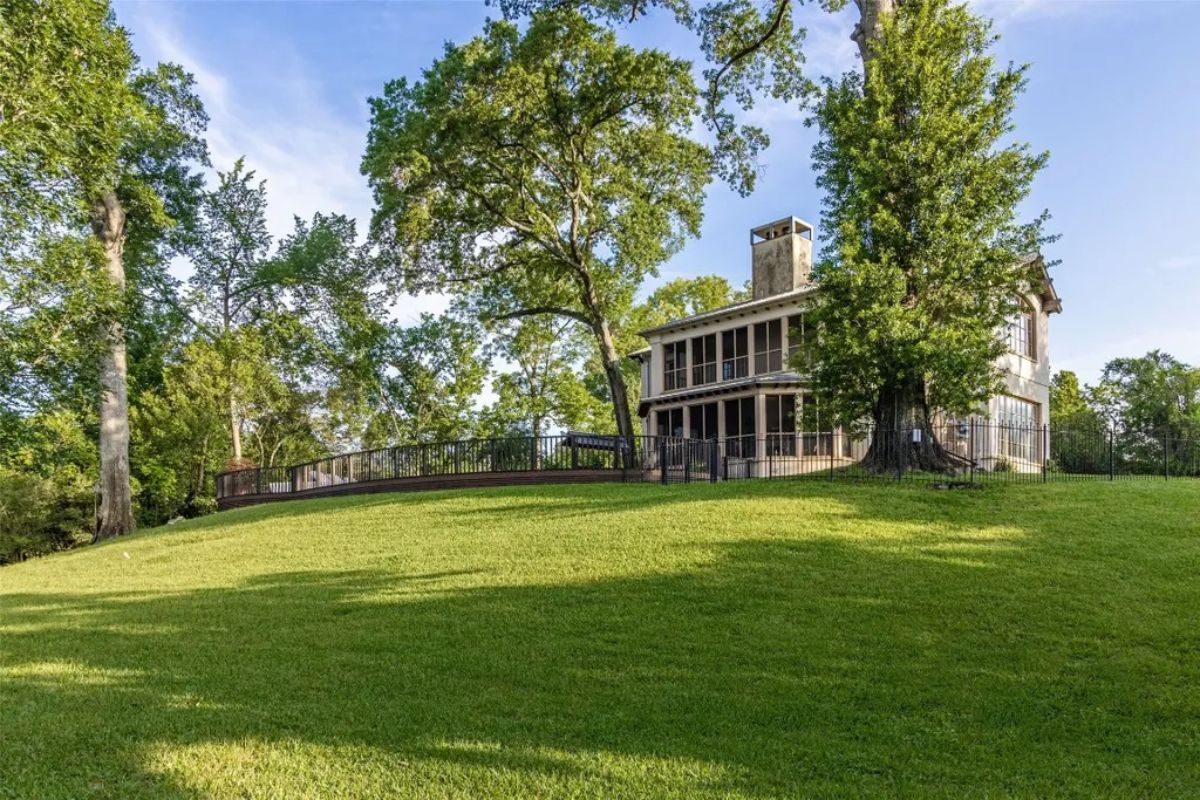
x=971, y=452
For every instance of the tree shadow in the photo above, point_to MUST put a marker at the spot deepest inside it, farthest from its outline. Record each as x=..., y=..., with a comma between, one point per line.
x=783, y=667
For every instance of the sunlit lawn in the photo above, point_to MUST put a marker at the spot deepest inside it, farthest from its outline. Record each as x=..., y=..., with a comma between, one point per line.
x=755, y=639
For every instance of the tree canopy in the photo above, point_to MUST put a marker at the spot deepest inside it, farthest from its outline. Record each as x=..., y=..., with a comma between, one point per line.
x=548, y=172
x=926, y=256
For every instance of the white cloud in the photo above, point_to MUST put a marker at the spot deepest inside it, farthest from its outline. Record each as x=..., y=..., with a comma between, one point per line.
x=1004, y=12
x=1180, y=263
x=306, y=151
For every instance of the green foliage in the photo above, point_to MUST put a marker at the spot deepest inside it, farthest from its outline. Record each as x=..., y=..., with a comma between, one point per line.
x=925, y=253
x=433, y=373
x=1153, y=395
x=543, y=388
x=47, y=475
x=549, y=172
x=753, y=51
x=1069, y=404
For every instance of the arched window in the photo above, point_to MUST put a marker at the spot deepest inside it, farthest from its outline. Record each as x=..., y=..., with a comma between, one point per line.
x=1021, y=331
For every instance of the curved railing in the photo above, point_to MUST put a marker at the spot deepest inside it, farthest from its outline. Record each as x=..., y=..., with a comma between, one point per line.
x=973, y=451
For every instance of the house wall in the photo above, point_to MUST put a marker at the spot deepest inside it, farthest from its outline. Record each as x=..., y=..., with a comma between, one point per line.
x=1029, y=379
x=747, y=319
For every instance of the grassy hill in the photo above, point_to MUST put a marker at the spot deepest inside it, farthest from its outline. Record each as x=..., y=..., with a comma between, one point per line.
x=739, y=640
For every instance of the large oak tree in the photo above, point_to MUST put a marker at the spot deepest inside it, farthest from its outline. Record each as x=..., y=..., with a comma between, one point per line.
x=549, y=172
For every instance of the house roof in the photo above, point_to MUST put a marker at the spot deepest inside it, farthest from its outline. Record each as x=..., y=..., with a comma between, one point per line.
x=782, y=378
x=732, y=309
x=1052, y=304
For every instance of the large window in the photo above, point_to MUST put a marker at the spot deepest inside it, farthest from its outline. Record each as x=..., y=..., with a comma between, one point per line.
x=1017, y=428
x=702, y=421
x=781, y=424
x=739, y=427
x=670, y=422
x=704, y=359
x=1020, y=333
x=675, y=365
x=768, y=346
x=735, y=356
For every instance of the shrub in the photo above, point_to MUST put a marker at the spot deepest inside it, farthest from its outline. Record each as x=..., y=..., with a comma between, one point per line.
x=40, y=515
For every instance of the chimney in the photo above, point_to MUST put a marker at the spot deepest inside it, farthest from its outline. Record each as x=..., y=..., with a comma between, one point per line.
x=782, y=257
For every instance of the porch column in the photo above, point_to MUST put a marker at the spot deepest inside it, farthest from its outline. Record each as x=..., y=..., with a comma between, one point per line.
x=721, y=419
x=687, y=420
x=760, y=416
x=750, y=369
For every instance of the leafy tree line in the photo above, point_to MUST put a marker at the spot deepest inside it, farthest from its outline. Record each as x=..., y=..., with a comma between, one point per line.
x=1148, y=404
x=537, y=176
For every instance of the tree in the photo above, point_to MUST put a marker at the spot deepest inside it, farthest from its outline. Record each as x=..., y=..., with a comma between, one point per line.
x=549, y=173
x=1069, y=405
x=751, y=49
x=88, y=140
x=1152, y=396
x=926, y=257
x=229, y=280
x=434, y=373
x=543, y=387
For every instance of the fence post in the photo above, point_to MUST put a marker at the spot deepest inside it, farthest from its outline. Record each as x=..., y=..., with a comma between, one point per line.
x=1045, y=452
x=1166, y=457
x=292, y=480
x=971, y=448
x=662, y=460
x=770, y=457
x=831, y=446
x=1111, y=470
x=574, y=454
x=712, y=460
x=687, y=460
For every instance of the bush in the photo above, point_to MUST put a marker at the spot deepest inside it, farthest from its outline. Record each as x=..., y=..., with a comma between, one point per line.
x=39, y=515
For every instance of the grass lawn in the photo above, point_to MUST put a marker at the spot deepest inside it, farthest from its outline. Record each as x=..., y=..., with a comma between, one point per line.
x=754, y=639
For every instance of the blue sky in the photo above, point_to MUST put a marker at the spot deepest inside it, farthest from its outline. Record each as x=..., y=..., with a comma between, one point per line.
x=1114, y=95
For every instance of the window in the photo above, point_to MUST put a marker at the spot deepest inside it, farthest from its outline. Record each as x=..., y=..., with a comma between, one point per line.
x=674, y=365
x=670, y=422
x=704, y=359
x=798, y=342
x=735, y=362
x=781, y=424
x=739, y=427
x=768, y=346
x=702, y=421
x=1017, y=430
x=1020, y=332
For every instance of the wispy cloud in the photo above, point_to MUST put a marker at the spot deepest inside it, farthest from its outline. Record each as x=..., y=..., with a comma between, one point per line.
x=1004, y=12
x=307, y=151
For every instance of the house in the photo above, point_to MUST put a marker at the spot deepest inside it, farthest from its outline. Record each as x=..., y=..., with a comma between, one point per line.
x=728, y=374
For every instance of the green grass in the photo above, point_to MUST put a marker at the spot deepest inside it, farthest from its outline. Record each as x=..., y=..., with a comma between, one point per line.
x=756, y=639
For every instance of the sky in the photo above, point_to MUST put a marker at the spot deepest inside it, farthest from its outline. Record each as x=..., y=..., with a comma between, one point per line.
x=1114, y=95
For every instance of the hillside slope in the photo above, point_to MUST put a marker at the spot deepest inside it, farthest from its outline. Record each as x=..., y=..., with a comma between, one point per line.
x=747, y=640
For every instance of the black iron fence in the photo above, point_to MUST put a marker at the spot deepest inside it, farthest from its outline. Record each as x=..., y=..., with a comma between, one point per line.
x=969, y=452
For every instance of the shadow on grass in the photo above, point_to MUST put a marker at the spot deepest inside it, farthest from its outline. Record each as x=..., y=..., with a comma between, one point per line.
x=788, y=666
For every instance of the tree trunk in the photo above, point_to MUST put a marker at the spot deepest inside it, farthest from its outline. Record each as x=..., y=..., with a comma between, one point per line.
x=900, y=412
x=116, y=502
x=616, y=385
x=871, y=22
x=235, y=429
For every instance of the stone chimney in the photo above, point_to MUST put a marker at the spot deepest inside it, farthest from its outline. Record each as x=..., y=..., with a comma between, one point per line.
x=782, y=257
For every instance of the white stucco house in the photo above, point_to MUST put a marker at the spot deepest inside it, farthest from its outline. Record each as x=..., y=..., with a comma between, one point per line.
x=726, y=373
